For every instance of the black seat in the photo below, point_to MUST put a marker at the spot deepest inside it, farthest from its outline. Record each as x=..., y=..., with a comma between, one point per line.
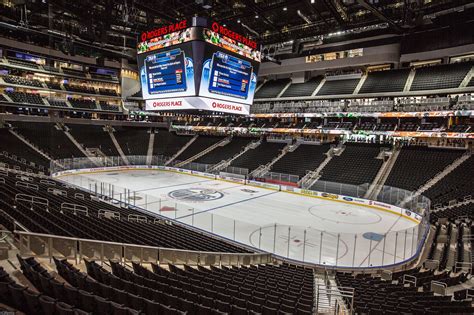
x=102, y=305
x=64, y=309
x=72, y=295
x=87, y=301
x=32, y=301
x=153, y=307
x=16, y=292
x=57, y=289
x=48, y=304
x=238, y=310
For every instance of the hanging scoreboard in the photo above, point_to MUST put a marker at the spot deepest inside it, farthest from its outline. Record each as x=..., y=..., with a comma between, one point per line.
x=202, y=67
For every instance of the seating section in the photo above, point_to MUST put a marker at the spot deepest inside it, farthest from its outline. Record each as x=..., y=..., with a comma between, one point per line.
x=21, y=81
x=356, y=165
x=110, y=92
x=23, y=63
x=49, y=139
x=454, y=212
x=440, y=77
x=12, y=147
x=452, y=243
x=302, y=89
x=108, y=107
x=416, y=165
x=385, y=81
x=80, y=88
x=225, y=152
x=57, y=103
x=55, y=220
x=271, y=88
x=78, y=73
x=376, y=296
x=94, y=136
x=471, y=82
x=25, y=98
x=133, y=141
x=200, y=144
x=305, y=158
x=338, y=87
x=456, y=185
x=261, y=155
x=262, y=289
x=168, y=143
x=18, y=299
x=53, y=85
x=83, y=103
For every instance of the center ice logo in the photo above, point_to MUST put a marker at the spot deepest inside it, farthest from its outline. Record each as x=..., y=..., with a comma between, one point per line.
x=196, y=194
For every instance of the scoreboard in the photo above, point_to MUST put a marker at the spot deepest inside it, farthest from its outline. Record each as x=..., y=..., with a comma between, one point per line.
x=166, y=72
x=229, y=76
x=198, y=65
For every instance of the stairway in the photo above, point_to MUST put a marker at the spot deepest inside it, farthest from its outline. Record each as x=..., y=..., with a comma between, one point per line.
x=221, y=143
x=409, y=81
x=40, y=152
x=65, y=129
x=467, y=78
x=438, y=177
x=117, y=146
x=443, y=173
x=382, y=175
x=225, y=163
x=309, y=179
x=181, y=150
x=263, y=169
x=320, y=85
x=149, y=153
x=360, y=84
x=284, y=89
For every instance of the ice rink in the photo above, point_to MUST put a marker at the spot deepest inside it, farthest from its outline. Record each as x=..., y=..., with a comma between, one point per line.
x=303, y=228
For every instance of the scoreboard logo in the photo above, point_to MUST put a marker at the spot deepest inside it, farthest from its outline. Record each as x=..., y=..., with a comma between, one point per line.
x=164, y=30
x=227, y=106
x=216, y=27
x=167, y=103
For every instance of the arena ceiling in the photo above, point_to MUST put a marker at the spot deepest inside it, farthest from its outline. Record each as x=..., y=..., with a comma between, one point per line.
x=116, y=23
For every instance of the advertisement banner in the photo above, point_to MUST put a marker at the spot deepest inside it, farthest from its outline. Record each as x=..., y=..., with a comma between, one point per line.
x=198, y=103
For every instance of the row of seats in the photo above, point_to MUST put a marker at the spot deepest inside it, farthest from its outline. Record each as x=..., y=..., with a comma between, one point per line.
x=305, y=158
x=28, y=300
x=416, y=165
x=456, y=185
x=236, y=145
x=201, y=143
x=53, y=219
x=48, y=138
x=356, y=165
x=261, y=155
x=21, y=81
x=447, y=76
x=25, y=98
x=376, y=296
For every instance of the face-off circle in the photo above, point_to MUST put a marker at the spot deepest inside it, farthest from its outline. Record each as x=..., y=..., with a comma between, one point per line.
x=196, y=194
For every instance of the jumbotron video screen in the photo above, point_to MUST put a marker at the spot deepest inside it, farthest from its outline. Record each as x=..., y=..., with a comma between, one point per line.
x=204, y=67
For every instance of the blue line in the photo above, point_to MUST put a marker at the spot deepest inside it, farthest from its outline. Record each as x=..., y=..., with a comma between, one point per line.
x=155, y=188
x=229, y=204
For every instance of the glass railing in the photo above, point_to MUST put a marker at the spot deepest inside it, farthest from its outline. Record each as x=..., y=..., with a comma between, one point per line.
x=49, y=246
x=297, y=243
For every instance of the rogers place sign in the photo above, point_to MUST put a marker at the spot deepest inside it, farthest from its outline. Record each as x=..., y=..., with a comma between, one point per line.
x=216, y=27
x=167, y=104
x=164, y=30
x=232, y=107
